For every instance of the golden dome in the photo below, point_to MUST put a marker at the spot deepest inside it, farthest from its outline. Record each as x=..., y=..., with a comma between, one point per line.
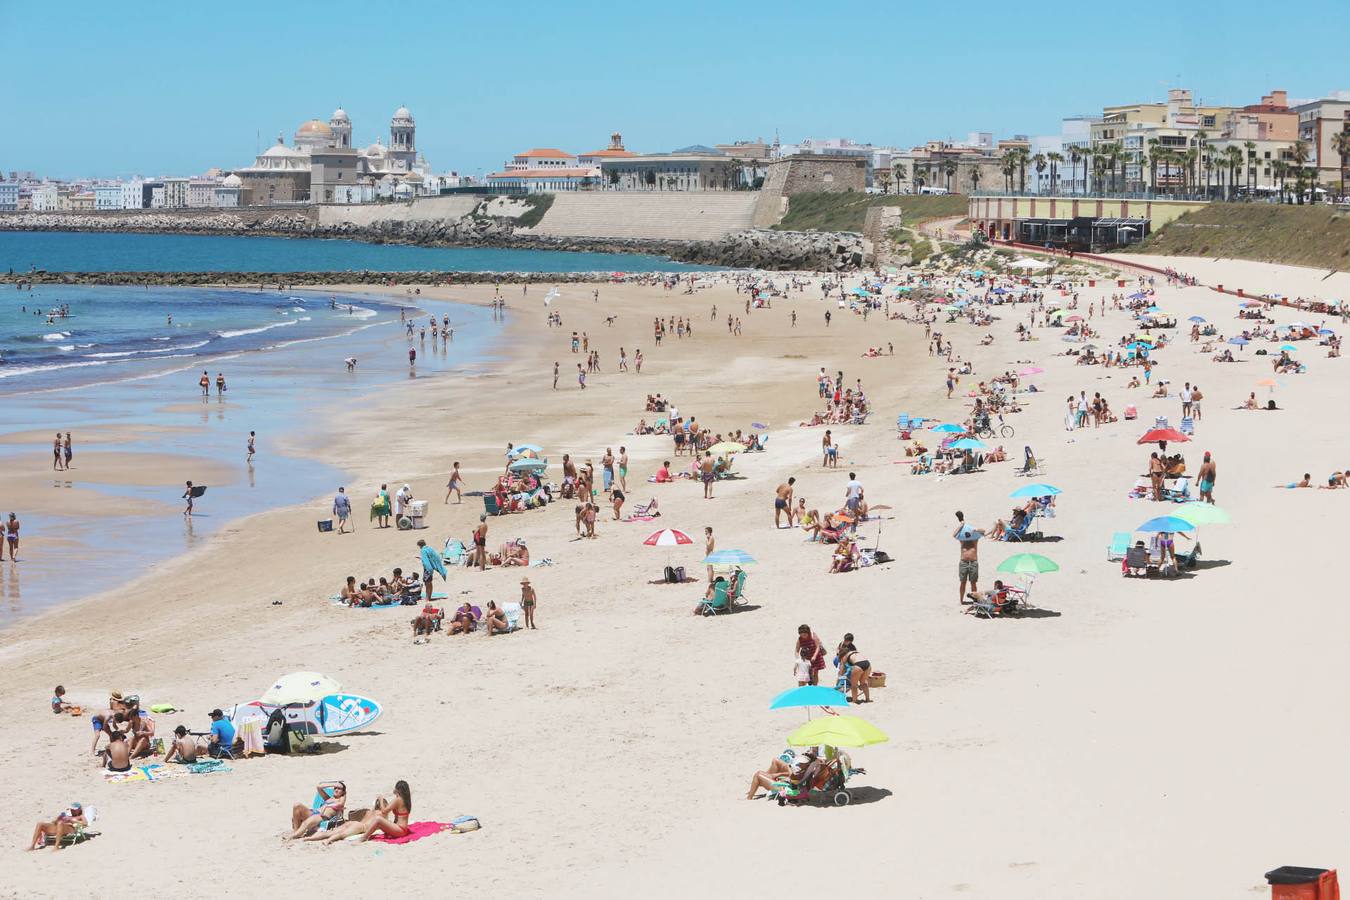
x=314, y=126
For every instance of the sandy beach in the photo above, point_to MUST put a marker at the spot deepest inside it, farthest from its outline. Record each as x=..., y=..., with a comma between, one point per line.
x=1137, y=737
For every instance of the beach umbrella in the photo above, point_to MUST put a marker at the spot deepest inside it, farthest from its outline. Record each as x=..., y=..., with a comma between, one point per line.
x=808, y=695
x=837, y=731
x=1074, y=318
x=1028, y=564
x=729, y=558
x=1158, y=435
x=969, y=444
x=1267, y=382
x=759, y=426
x=524, y=448
x=300, y=688
x=1196, y=319
x=1240, y=341
x=528, y=465
x=1325, y=331
x=1288, y=348
x=667, y=537
x=1199, y=513
x=948, y=428
x=1166, y=523
x=1031, y=370
x=727, y=447
x=1138, y=295
x=1036, y=490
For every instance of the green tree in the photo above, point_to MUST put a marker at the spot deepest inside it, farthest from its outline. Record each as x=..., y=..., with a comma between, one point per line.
x=1040, y=163
x=898, y=172
x=1250, y=147
x=1075, y=156
x=1300, y=156
x=1056, y=160
x=949, y=169
x=1340, y=142
x=1154, y=150
x=1232, y=157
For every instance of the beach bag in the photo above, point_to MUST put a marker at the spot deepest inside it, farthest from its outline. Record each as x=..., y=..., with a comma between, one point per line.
x=670, y=575
x=465, y=823
x=679, y=575
x=325, y=525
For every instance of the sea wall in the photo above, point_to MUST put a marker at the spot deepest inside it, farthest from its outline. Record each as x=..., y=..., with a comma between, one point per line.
x=740, y=249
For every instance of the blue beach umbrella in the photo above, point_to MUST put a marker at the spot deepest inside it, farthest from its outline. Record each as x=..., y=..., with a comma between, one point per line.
x=809, y=695
x=1289, y=348
x=1196, y=319
x=729, y=558
x=1166, y=523
x=528, y=465
x=1138, y=295
x=1240, y=341
x=516, y=451
x=969, y=444
x=1036, y=490
x=948, y=427
x=1325, y=331
x=966, y=533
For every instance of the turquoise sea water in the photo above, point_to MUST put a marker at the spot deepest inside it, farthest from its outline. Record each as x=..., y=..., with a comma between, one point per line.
x=61, y=251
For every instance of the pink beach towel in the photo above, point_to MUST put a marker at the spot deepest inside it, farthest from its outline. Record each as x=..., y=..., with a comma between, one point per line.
x=416, y=831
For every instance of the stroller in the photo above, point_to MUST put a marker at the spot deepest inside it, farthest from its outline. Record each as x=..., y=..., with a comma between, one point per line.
x=824, y=776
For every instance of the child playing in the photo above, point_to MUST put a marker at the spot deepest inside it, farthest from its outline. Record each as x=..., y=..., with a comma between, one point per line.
x=59, y=705
x=802, y=668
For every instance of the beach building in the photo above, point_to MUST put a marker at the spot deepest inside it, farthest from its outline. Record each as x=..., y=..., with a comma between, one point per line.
x=958, y=168
x=108, y=196
x=46, y=197
x=1319, y=121
x=547, y=169
x=696, y=168
x=9, y=196
x=133, y=194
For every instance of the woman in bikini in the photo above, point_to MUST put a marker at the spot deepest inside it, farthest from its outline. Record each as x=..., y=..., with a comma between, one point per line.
x=305, y=819
x=857, y=677
x=389, y=818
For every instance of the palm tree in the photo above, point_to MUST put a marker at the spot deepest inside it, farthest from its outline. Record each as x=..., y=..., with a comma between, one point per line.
x=949, y=169
x=884, y=179
x=1022, y=156
x=1300, y=156
x=1232, y=157
x=920, y=175
x=1055, y=159
x=1075, y=154
x=1039, y=162
x=1278, y=169
x=1250, y=147
x=898, y=170
x=1154, y=149
x=1340, y=142
x=1009, y=168
x=1202, y=157
x=975, y=179
x=1099, y=169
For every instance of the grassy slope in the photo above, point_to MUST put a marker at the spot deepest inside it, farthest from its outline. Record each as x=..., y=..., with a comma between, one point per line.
x=1297, y=235
x=845, y=212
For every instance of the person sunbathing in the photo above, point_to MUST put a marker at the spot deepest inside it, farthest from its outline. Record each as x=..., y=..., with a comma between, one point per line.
x=463, y=621
x=785, y=769
x=1134, y=382
x=182, y=748
x=349, y=593
x=306, y=819
x=996, y=455
x=916, y=449
x=389, y=818
x=496, y=619
x=67, y=821
x=1161, y=390
x=711, y=593
x=1305, y=483
x=1251, y=402
x=845, y=557
x=515, y=553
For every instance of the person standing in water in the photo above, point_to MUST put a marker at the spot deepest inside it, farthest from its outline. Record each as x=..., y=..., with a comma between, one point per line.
x=187, y=495
x=67, y=451
x=220, y=384
x=56, y=453
x=205, y=383
x=252, y=439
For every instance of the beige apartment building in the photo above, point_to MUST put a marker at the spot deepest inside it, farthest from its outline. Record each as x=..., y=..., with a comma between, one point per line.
x=1319, y=121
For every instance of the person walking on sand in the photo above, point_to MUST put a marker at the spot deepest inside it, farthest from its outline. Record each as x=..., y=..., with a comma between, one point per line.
x=11, y=538
x=709, y=545
x=220, y=384
x=205, y=384
x=528, y=601
x=67, y=451
x=581, y=376
x=455, y=485
x=252, y=445
x=480, y=543
x=188, y=496
x=968, y=568
x=56, y=453
x=342, y=508
x=706, y=466
x=555, y=376
x=1208, y=474
x=782, y=502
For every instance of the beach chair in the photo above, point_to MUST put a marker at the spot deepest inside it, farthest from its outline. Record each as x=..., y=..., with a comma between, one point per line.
x=1136, y=561
x=736, y=594
x=81, y=833
x=1120, y=545
x=646, y=509
x=1131, y=412
x=1031, y=464
x=902, y=422
x=513, y=612
x=859, y=419
x=1187, y=425
x=718, y=603
x=491, y=506
x=455, y=553
x=1025, y=533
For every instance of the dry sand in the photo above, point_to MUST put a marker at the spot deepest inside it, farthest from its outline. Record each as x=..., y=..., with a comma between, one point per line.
x=1155, y=738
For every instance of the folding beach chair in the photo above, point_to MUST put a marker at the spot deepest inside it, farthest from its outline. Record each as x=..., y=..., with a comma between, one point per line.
x=490, y=505
x=902, y=422
x=513, y=613
x=81, y=833
x=719, y=602
x=1120, y=545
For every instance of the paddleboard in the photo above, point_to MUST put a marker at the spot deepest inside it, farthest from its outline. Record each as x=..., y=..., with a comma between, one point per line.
x=333, y=715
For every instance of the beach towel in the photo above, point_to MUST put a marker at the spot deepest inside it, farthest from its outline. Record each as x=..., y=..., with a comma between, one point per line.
x=161, y=772
x=639, y=518
x=416, y=831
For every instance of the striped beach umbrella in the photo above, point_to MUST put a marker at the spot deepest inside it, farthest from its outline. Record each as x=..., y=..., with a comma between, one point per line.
x=668, y=537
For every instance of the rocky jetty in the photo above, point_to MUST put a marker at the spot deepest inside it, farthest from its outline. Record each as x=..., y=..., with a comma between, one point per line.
x=755, y=249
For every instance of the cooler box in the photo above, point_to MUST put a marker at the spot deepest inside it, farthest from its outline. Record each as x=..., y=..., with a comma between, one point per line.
x=1303, y=883
x=325, y=525
x=417, y=512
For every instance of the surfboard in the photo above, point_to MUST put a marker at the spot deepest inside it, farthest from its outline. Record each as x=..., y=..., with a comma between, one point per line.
x=333, y=715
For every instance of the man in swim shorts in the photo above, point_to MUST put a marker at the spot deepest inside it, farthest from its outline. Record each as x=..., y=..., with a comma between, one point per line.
x=706, y=467
x=782, y=501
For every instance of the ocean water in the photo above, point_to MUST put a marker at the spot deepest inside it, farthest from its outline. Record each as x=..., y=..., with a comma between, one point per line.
x=128, y=332
x=284, y=381
x=61, y=251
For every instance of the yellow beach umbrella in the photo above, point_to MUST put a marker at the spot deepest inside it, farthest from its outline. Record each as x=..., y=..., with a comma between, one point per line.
x=300, y=687
x=837, y=731
x=727, y=447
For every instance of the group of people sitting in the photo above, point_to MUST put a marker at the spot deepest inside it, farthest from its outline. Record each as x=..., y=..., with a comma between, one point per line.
x=517, y=493
x=396, y=588
x=327, y=819
x=1020, y=518
x=466, y=619
x=127, y=733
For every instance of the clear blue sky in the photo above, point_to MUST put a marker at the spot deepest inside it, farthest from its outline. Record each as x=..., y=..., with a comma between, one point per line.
x=104, y=89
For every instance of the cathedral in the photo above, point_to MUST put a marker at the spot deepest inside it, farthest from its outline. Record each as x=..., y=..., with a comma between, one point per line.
x=324, y=167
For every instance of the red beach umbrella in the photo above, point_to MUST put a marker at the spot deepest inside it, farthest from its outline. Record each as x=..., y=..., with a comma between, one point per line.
x=668, y=537
x=1157, y=435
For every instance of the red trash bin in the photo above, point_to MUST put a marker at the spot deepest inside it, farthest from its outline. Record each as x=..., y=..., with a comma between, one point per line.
x=1303, y=883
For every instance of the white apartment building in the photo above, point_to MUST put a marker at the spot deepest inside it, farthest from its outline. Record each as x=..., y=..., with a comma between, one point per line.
x=133, y=194
x=46, y=197
x=9, y=196
x=157, y=197
x=201, y=193
x=108, y=196
x=175, y=193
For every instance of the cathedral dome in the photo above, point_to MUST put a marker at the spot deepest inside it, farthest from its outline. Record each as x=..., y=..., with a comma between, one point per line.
x=402, y=113
x=232, y=181
x=340, y=115
x=315, y=127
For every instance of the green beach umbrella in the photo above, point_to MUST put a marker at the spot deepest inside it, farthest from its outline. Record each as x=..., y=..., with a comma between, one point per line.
x=837, y=731
x=1028, y=564
x=1200, y=513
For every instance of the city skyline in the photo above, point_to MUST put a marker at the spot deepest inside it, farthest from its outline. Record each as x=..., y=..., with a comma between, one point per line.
x=715, y=75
